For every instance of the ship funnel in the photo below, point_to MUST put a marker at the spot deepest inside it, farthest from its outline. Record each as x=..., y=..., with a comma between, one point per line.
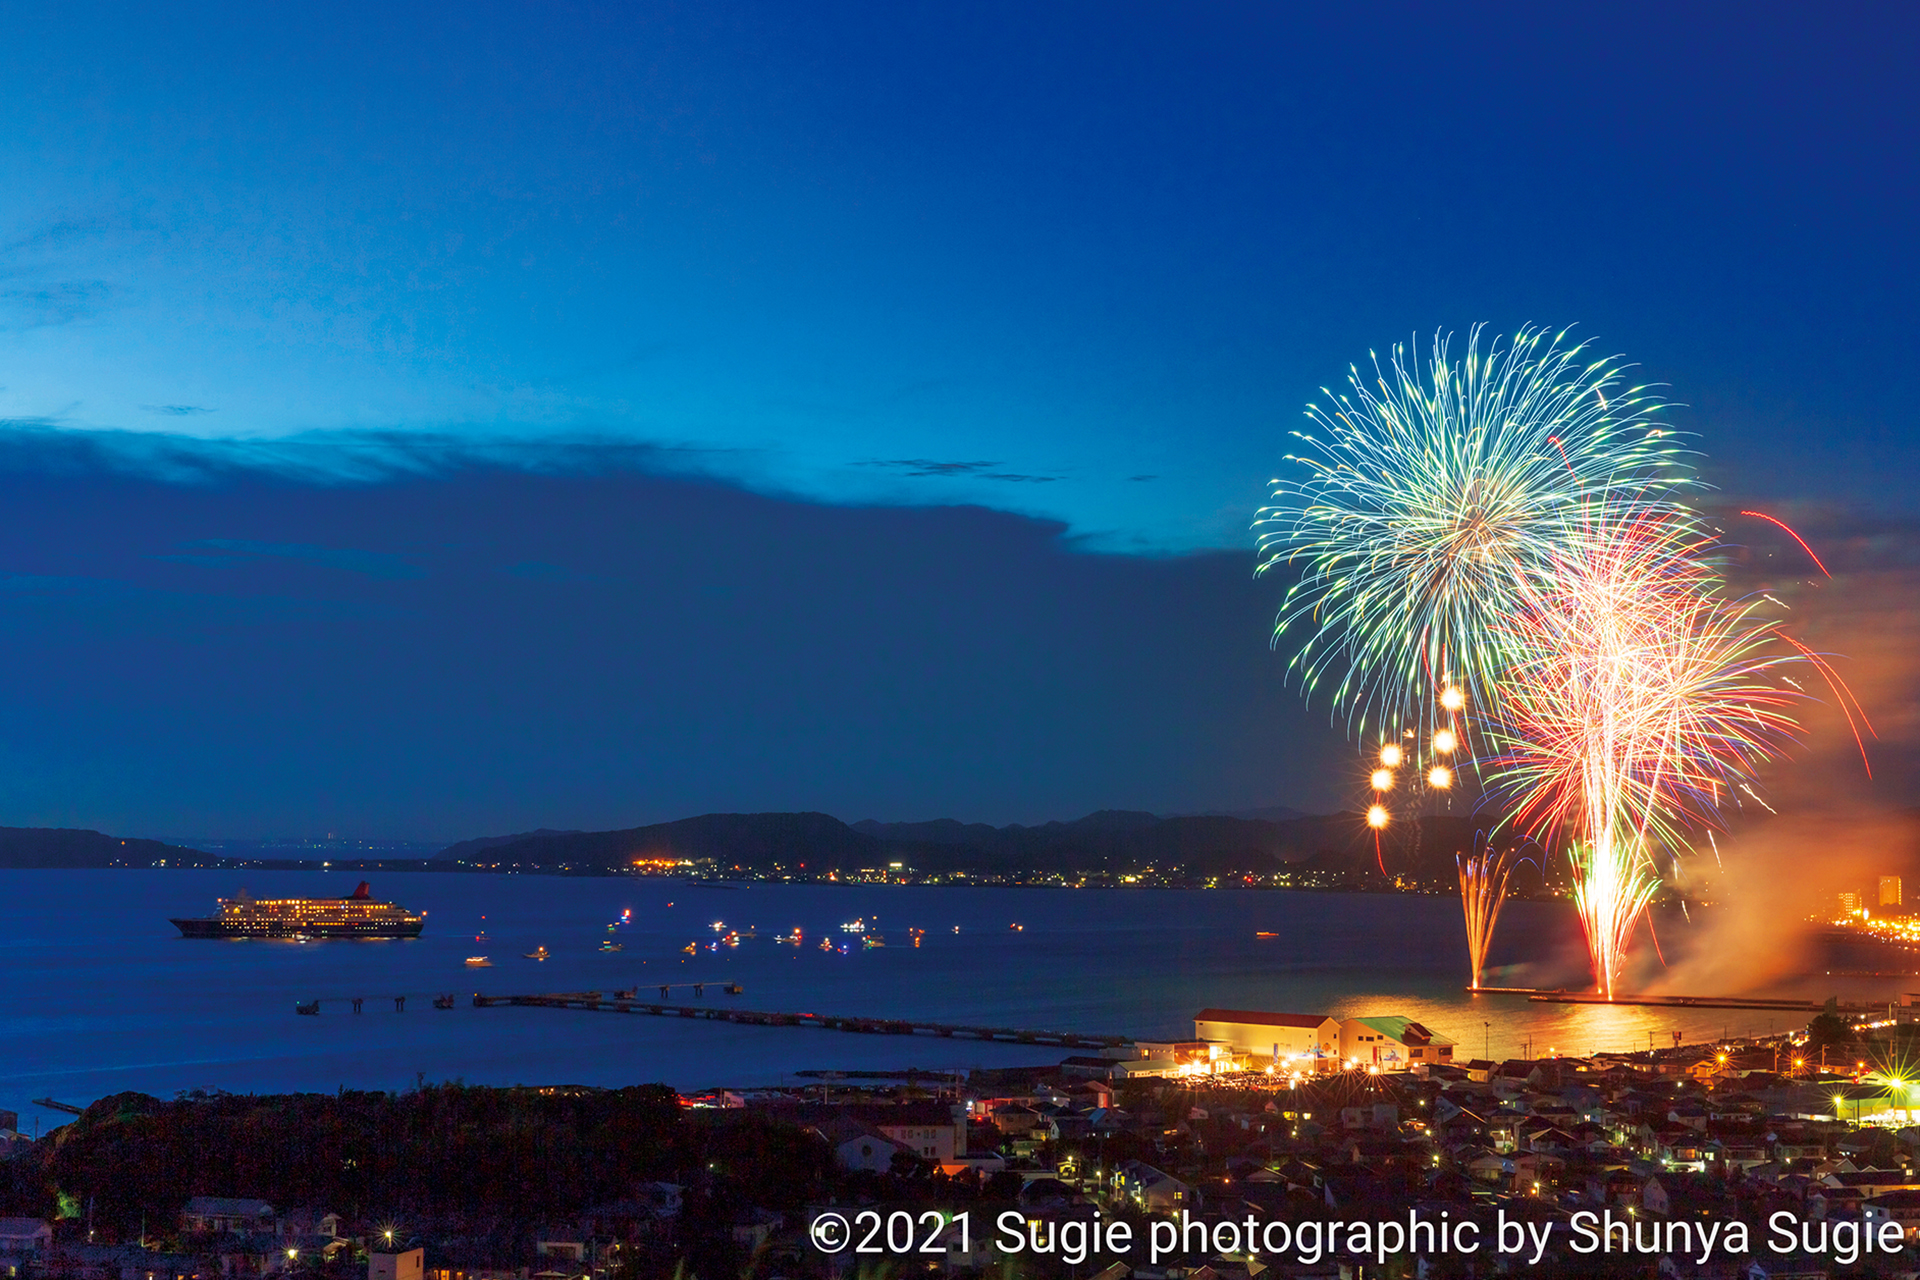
x=362, y=893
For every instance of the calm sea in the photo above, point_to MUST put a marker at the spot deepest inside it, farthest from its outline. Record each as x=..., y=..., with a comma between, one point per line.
x=99, y=994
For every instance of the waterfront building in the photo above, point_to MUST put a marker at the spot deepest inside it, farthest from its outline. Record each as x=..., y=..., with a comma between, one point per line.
x=1890, y=891
x=1278, y=1037
x=1392, y=1044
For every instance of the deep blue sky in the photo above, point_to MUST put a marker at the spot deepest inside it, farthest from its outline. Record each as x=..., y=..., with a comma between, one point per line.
x=610, y=413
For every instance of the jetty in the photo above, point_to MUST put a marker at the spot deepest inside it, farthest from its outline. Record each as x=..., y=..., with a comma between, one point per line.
x=1845, y=1007
x=67, y=1107
x=626, y=1002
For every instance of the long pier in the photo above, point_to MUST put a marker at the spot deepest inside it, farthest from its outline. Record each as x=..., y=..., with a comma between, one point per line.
x=594, y=1001
x=1706, y=1002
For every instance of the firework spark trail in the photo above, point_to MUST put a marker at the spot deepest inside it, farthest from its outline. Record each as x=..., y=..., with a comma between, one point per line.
x=1483, y=891
x=1637, y=697
x=1509, y=530
x=1434, y=500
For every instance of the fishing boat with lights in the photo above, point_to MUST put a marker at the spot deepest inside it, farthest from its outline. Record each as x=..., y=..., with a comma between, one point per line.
x=354, y=916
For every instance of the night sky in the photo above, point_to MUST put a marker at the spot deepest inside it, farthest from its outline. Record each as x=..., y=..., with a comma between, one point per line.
x=428, y=421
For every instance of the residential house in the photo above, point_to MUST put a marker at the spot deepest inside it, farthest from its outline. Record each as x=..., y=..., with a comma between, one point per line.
x=22, y=1242
x=220, y=1215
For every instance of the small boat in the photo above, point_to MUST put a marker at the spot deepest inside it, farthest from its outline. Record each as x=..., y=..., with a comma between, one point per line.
x=1264, y=934
x=538, y=953
x=826, y=944
x=610, y=945
x=311, y=1009
x=443, y=1002
x=873, y=940
x=692, y=948
x=1018, y=928
x=479, y=962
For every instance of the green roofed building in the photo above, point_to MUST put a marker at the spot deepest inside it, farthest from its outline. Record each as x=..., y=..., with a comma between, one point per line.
x=1392, y=1044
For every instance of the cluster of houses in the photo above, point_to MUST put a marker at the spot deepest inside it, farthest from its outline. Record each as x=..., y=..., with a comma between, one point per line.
x=235, y=1238
x=1735, y=1132
x=1738, y=1132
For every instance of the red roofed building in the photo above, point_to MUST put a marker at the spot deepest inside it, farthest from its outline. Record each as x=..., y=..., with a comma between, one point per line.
x=1279, y=1036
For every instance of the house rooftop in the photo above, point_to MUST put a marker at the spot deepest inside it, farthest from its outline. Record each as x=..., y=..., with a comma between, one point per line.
x=1255, y=1017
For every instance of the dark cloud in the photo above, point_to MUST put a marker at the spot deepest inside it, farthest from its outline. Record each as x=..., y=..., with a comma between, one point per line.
x=713, y=650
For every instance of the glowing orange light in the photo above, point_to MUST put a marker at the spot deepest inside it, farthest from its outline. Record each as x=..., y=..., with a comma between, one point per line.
x=1453, y=699
x=1444, y=742
x=1377, y=816
x=1383, y=779
x=1390, y=755
x=1440, y=777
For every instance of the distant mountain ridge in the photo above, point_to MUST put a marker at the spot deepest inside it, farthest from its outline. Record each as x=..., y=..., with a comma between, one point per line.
x=1111, y=841
x=1331, y=850
x=72, y=848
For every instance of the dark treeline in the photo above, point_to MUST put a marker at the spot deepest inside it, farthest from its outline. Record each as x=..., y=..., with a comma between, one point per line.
x=499, y=1162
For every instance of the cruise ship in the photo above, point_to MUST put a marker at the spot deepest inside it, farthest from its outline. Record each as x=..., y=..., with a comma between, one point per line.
x=355, y=916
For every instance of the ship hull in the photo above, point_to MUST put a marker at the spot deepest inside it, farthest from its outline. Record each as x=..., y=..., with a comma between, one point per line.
x=216, y=928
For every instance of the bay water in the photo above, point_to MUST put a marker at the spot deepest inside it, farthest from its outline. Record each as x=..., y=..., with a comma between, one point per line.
x=99, y=994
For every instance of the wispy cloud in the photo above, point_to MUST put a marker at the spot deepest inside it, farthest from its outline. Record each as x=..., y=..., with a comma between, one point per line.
x=175, y=410
x=61, y=302
x=43, y=445
x=970, y=470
